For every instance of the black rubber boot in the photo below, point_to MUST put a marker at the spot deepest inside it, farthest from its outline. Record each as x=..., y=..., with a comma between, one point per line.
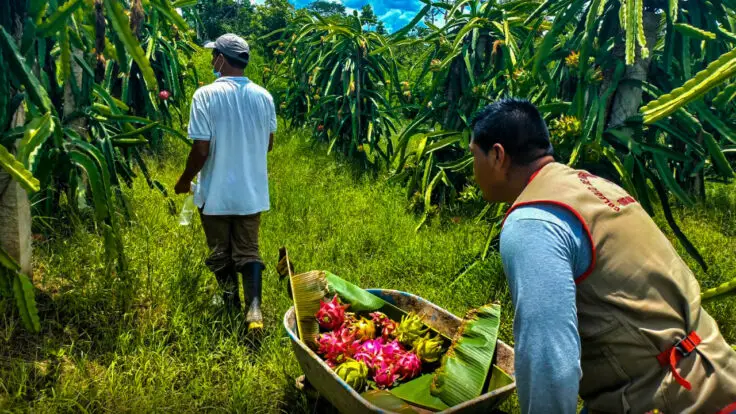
x=227, y=278
x=252, y=288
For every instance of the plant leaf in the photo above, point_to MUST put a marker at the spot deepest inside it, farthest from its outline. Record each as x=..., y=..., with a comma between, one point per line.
x=58, y=20
x=705, y=80
x=667, y=210
x=122, y=27
x=164, y=7
x=724, y=290
x=665, y=174
x=184, y=3
x=23, y=73
x=694, y=32
x=26, y=302
x=36, y=133
x=94, y=174
x=16, y=170
x=135, y=132
x=7, y=261
x=719, y=160
x=551, y=37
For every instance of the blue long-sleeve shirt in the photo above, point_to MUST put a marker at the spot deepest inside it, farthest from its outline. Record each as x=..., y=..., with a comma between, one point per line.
x=544, y=248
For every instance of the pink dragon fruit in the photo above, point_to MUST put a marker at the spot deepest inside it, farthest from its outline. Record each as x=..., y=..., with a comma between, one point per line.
x=331, y=315
x=369, y=351
x=392, y=350
x=337, y=346
x=388, y=327
x=386, y=375
x=409, y=365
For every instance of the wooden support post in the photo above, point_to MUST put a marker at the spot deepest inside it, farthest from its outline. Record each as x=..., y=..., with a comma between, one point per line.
x=15, y=214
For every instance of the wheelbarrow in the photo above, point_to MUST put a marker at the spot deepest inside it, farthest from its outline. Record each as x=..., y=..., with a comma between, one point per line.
x=347, y=400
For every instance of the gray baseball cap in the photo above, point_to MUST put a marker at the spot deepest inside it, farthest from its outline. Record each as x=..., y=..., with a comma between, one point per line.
x=231, y=45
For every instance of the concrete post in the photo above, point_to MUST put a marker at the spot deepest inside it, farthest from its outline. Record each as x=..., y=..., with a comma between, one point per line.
x=15, y=214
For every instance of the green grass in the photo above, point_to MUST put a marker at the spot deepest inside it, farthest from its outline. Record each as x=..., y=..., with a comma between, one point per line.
x=149, y=339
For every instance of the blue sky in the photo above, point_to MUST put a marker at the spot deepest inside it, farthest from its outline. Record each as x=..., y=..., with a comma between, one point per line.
x=394, y=13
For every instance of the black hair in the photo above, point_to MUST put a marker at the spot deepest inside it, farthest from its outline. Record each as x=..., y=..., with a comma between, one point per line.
x=517, y=125
x=240, y=63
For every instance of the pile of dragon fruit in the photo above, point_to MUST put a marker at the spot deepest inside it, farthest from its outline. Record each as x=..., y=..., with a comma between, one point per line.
x=375, y=351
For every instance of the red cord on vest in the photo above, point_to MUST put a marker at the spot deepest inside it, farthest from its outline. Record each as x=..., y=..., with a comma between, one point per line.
x=730, y=409
x=680, y=350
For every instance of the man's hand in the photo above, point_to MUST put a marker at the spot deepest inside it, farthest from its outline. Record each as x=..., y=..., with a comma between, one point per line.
x=183, y=186
x=197, y=157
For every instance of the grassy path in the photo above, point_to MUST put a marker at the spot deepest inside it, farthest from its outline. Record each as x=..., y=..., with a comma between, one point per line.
x=172, y=351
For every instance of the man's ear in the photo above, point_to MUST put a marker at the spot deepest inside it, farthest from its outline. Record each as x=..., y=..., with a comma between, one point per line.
x=498, y=153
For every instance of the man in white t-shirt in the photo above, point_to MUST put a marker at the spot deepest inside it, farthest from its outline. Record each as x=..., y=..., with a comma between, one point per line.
x=231, y=123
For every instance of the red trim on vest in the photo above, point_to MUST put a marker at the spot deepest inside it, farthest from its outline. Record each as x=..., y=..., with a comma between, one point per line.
x=587, y=273
x=729, y=409
x=534, y=174
x=680, y=350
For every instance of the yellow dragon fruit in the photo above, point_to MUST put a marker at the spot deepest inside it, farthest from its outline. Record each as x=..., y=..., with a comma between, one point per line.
x=354, y=373
x=364, y=329
x=428, y=349
x=410, y=329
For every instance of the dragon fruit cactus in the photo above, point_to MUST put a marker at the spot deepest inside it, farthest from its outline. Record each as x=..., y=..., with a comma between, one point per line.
x=337, y=346
x=354, y=373
x=409, y=365
x=364, y=329
x=392, y=350
x=428, y=349
x=388, y=326
x=386, y=375
x=410, y=329
x=331, y=315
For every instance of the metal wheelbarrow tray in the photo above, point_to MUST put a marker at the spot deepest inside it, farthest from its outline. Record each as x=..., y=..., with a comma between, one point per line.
x=347, y=400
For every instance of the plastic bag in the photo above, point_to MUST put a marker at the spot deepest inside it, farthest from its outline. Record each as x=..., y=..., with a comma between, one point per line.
x=187, y=211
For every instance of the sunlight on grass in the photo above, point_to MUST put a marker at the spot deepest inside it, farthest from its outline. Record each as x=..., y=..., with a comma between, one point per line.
x=158, y=344
x=171, y=349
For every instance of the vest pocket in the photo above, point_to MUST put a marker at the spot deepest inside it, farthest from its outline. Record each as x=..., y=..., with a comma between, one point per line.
x=604, y=383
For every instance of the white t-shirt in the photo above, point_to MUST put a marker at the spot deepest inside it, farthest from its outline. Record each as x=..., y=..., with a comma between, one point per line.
x=237, y=117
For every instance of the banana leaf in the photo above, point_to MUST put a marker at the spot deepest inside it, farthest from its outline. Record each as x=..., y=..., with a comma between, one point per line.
x=385, y=400
x=417, y=392
x=467, y=364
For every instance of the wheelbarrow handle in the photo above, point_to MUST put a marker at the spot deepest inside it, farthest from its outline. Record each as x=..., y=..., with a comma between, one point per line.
x=285, y=268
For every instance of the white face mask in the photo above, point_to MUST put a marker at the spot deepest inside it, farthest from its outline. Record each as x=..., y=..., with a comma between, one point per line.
x=217, y=71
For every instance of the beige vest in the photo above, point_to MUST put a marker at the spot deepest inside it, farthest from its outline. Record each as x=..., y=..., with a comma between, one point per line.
x=637, y=299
